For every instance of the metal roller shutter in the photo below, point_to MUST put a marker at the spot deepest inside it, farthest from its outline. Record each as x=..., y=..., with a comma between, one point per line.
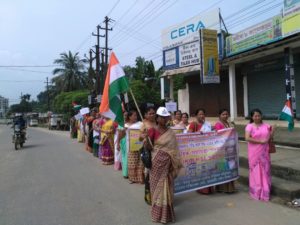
x=266, y=89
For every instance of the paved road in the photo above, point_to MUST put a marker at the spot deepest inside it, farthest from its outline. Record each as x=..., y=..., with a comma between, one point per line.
x=53, y=181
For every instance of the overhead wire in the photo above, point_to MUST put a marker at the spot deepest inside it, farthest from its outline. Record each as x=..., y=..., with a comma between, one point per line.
x=135, y=17
x=114, y=6
x=149, y=19
x=252, y=16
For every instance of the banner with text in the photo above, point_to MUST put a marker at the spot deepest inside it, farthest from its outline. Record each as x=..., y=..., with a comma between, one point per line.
x=260, y=34
x=208, y=159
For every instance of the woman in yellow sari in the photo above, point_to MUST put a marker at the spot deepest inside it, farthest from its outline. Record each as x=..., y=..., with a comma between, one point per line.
x=165, y=167
x=108, y=128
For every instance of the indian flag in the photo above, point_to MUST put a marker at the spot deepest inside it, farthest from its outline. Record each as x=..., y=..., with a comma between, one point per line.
x=286, y=114
x=115, y=84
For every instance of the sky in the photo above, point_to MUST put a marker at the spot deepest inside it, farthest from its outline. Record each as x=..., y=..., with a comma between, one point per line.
x=35, y=32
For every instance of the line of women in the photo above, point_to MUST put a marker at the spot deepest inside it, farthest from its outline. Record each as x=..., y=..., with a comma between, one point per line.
x=111, y=145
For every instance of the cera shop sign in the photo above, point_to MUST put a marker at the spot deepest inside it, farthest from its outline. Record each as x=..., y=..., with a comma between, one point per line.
x=188, y=31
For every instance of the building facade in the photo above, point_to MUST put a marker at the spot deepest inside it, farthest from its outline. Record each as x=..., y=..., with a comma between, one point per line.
x=3, y=106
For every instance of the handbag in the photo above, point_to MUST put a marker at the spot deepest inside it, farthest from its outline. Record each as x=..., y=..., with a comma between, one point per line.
x=146, y=157
x=272, y=148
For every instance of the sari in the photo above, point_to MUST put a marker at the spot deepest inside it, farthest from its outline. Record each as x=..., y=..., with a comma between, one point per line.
x=118, y=160
x=107, y=141
x=96, y=136
x=124, y=155
x=147, y=197
x=135, y=164
x=230, y=186
x=259, y=163
x=79, y=131
x=165, y=167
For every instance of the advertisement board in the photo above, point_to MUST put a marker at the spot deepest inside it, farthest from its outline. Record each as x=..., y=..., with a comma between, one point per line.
x=188, y=31
x=291, y=17
x=260, y=34
x=209, y=60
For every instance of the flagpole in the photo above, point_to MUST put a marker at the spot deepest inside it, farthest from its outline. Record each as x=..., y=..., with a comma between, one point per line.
x=136, y=105
x=139, y=111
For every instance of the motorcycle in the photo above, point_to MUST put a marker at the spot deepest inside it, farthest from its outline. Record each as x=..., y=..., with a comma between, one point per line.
x=18, y=137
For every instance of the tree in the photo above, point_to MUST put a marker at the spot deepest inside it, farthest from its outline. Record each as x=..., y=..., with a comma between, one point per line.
x=71, y=75
x=63, y=102
x=23, y=107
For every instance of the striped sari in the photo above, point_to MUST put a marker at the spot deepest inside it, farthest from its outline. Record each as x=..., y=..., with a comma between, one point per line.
x=165, y=167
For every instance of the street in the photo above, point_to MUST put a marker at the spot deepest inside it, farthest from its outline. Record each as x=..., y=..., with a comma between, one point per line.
x=54, y=181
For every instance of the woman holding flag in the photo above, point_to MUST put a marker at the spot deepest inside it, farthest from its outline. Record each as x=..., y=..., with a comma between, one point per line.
x=135, y=164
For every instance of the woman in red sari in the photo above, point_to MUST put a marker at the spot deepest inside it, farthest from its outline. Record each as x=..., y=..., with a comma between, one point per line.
x=165, y=167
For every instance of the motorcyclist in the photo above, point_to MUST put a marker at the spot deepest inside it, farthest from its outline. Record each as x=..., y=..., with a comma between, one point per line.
x=21, y=122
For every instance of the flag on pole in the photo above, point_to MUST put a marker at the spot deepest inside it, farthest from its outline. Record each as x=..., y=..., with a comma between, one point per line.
x=286, y=114
x=115, y=84
x=76, y=106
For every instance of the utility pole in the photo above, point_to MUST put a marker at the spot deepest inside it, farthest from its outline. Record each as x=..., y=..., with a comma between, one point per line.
x=106, y=21
x=48, y=99
x=98, y=81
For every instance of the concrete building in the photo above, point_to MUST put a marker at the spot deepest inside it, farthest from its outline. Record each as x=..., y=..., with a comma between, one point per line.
x=3, y=106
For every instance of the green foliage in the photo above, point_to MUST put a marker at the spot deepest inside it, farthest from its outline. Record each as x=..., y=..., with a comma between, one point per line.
x=63, y=102
x=23, y=107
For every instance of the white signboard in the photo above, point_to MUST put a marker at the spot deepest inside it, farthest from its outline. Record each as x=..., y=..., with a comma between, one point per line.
x=170, y=57
x=171, y=106
x=84, y=111
x=188, y=31
x=189, y=54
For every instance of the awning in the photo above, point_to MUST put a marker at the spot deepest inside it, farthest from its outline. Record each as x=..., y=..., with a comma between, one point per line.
x=184, y=70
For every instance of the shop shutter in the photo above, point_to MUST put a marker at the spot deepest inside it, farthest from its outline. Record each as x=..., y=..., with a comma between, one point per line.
x=266, y=90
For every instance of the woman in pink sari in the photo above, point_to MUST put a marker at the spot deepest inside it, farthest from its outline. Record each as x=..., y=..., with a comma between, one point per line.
x=258, y=135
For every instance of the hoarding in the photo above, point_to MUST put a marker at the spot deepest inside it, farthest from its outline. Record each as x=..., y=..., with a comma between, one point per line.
x=188, y=31
x=291, y=17
x=260, y=34
x=209, y=57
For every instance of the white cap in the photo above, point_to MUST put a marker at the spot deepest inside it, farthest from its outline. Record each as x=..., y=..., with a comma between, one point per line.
x=162, y=111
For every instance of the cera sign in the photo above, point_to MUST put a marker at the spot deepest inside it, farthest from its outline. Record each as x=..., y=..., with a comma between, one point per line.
x=188, y=31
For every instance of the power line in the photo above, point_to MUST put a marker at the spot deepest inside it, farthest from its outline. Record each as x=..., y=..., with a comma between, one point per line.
x=254, y=15
x=115, y=5
x=31, y=71
x=21, y=81
x=150, y=19
x=134, y=17
x=34, y=66
x=126, y=12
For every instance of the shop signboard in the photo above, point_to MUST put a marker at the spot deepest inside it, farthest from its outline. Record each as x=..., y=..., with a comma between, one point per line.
x=209, y=71
x=188, y=31
x=291, y=17
x=189, y=54
x=260, y=34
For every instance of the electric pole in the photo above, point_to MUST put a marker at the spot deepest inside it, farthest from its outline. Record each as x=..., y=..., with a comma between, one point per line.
x=106, y=21
x=98, y=85
x=48, y=99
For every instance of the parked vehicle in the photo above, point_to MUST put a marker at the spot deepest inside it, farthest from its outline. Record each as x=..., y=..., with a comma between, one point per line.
x=57, y=122
x=33, y=122
x=33, y=119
